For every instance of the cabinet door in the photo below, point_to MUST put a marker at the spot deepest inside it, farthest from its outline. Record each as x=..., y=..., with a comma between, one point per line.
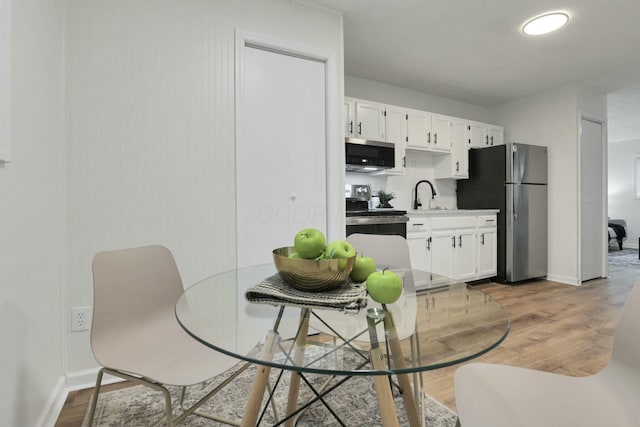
x=418, y=252
x=460, y=150
x=487, y=256
x=442, y=249
x=418, y=129
x=396, y=129
x=465, y=254
x=348, y=116
x=370, y=121
x=441, y=128
x=495, y=135
x=478, y=137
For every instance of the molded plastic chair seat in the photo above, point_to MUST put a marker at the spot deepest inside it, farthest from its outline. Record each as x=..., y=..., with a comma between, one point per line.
x=498, y=395
x=135, y=334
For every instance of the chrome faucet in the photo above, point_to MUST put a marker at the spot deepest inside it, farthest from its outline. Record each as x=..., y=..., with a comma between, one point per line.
x=416, y=201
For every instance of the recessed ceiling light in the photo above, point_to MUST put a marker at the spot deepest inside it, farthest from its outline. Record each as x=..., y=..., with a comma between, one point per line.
x=545, y=23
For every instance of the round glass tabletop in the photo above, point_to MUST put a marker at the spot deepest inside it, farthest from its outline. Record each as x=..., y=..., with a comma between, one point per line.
x=423, y=330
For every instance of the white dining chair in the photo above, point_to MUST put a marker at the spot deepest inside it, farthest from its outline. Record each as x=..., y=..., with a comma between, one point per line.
x=500, y=396
x=135, y=334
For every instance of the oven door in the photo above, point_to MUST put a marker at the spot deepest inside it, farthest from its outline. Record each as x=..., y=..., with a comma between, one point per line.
x=399, y=229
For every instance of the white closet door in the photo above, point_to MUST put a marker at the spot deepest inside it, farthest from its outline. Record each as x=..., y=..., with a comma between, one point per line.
x=592, y=201
x=280, y=152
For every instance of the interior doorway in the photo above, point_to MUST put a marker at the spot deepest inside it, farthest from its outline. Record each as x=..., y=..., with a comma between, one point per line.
x=592, y=200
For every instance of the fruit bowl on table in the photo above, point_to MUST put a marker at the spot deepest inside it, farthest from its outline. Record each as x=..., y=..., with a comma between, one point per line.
x=311, y=274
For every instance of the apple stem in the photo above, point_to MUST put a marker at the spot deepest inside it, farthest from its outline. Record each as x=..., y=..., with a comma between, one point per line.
x=384, y=269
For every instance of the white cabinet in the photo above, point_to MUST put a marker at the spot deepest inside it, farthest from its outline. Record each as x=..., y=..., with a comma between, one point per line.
x=495, y=135
x=486, y=246
x=419, y=244
x=441, y=128
x=396, y=133
x=348, y=113
x=485, y=135
x=453, y=248
x=418, y=129
x=462, y=247
x=427, y=131
x=455, y=165
x=369, y=121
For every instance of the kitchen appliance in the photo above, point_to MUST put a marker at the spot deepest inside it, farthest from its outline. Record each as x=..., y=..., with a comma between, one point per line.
x=362, y=155
x=361, y=219
x=512, y=178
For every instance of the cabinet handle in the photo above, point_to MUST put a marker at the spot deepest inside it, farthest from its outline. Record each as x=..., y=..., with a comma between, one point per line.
x=482, y=239
x=457, y=166
x=460, y=241
x=454, y=241
x=429, y=137
x=429, y=244
x=492, y=140
x=435, y=137
x=404, y=162
x=486, y=140
x=351, y=126
x=360, y=128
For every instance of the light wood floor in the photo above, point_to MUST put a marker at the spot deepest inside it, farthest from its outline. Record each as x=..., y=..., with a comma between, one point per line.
x=557, y=328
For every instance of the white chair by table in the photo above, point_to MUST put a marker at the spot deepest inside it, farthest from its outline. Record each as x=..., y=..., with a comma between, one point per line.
x=501, y=396
x=134, y=331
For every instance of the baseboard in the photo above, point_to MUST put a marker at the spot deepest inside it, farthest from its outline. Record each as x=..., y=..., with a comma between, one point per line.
x=563, y=279
x=80, y=380
x=54, y=405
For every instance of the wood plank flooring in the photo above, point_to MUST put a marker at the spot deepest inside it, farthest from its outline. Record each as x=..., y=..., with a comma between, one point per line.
x=555, y=327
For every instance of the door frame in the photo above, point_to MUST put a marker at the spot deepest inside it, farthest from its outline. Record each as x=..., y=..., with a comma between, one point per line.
x=582, y=115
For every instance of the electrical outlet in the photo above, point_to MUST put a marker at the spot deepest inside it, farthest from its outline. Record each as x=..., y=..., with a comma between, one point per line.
x=80, y=318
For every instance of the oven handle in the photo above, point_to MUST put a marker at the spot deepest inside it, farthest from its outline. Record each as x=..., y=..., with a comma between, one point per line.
x=364, y=220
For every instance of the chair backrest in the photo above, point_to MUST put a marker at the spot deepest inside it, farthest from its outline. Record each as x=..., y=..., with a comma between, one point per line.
x=389, y=250
x=130, y=287
x=626, y=345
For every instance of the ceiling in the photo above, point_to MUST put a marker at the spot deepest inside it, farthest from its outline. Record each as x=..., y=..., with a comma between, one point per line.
x=474, y=51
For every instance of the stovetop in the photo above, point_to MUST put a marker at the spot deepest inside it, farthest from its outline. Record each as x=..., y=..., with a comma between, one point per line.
x=376, y=212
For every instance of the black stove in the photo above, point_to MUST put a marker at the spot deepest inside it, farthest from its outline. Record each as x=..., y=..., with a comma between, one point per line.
x=361, y=219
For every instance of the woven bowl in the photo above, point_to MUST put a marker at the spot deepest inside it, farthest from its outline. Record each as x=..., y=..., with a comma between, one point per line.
x=310, y=274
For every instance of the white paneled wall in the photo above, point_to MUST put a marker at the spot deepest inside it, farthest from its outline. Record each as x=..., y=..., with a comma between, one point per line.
x=150, y=113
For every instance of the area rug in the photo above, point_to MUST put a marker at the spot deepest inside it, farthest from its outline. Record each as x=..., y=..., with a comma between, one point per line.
x=354, y=402
x=627, y=257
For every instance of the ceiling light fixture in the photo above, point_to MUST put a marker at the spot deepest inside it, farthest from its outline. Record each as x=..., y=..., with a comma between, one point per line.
x=545, y=23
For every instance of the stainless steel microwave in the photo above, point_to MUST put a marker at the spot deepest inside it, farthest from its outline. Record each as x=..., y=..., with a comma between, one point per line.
x=364, y=155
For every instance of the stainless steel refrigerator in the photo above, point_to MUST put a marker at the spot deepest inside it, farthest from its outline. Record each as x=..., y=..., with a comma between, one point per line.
x=512, y=178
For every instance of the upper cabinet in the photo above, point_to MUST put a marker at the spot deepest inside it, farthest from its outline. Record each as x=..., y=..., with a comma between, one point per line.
x=427, y=131
x=485, y=135
x=448, y=138
x=369, y=121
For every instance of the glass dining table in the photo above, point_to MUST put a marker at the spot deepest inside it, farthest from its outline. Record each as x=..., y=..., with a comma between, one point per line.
x=438, y=326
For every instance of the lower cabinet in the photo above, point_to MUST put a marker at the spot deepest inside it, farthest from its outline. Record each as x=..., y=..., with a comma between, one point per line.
x=461, y=247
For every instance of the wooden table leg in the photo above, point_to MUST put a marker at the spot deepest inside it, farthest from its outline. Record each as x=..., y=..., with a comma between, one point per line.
x=383, y=392
x=252, y=410
x=403, y=379
x=298, y=358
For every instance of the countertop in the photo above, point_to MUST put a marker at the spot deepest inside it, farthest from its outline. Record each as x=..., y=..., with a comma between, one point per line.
x=451, y=212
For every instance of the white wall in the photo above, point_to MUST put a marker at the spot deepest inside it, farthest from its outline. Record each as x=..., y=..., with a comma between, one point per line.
x=150, y=113
x=357, y=87
x=622, y=201
x=32, y=218
x=551, y=119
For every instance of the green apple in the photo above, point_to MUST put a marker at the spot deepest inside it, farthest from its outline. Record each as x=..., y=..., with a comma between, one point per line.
x=309, y=243
x=384, y=286
x=363, y=266
x=339, y=249
x=295, y=255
